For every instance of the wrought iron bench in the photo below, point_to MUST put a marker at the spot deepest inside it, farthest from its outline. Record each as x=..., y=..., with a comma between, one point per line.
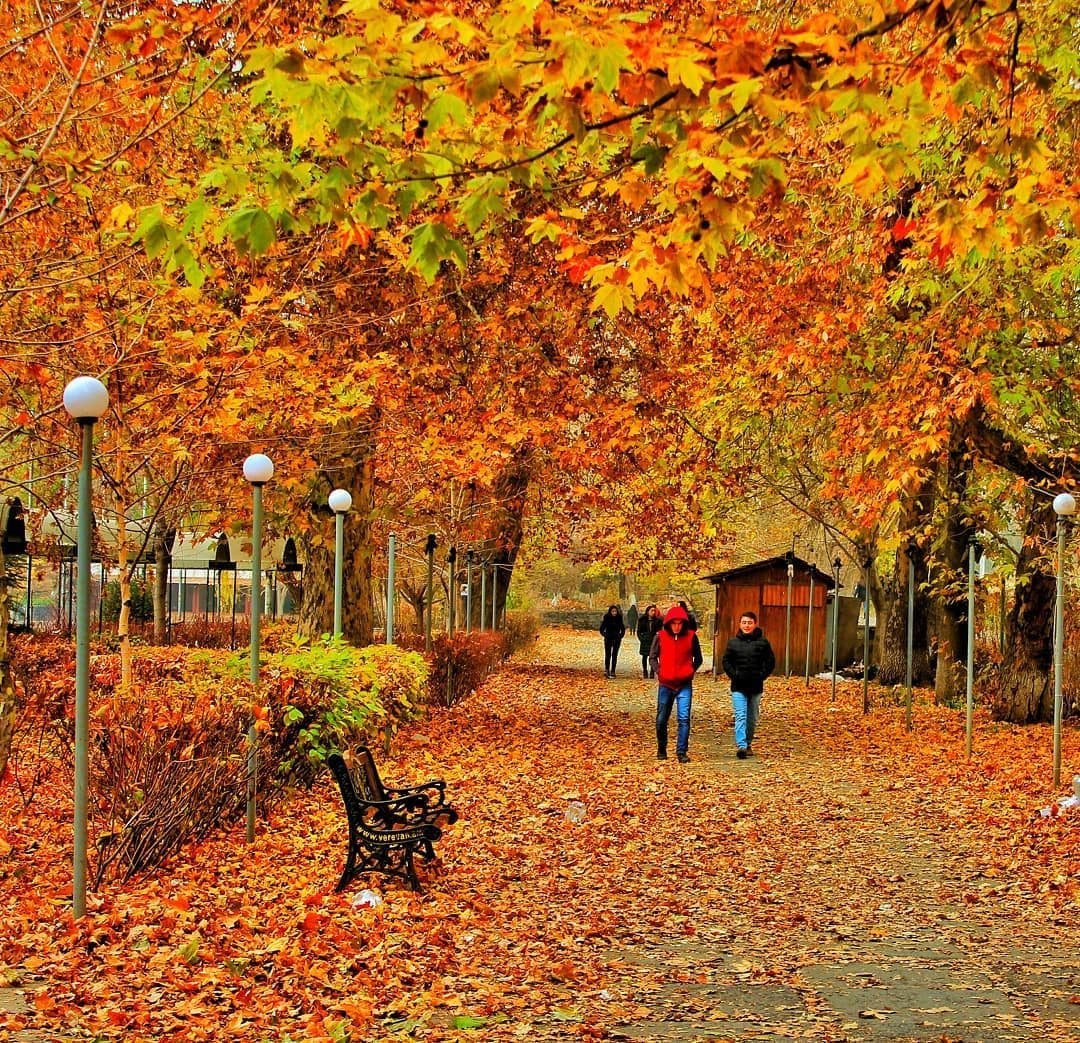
x=379, y=841
x=402, y=805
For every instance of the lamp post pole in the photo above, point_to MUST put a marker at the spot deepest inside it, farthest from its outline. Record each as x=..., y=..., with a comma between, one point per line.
x=787, y=621
x=910, y=636
x=85, y=399
x=809, y=622
x=340, y=503
x=969, y=704
x=429, y=550
x=835, y=620
x=390, y=552
x=468, y=590
x=451, y=558
x=866, y=639
x=1064, y=508
x=483, y=595
x=258, y=470
x=494, y=599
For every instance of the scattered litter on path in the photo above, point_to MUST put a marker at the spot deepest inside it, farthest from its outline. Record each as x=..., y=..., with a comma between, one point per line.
x=1064, y=803
x=366, y=900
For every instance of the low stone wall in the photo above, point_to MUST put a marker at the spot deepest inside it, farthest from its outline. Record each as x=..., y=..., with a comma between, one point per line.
x=576, y=619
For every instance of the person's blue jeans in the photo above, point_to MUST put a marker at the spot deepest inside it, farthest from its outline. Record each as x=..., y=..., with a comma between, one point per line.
x=680, y=698
x=746, y=716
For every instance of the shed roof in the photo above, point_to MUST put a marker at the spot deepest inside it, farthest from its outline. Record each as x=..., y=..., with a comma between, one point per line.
x=780, y=560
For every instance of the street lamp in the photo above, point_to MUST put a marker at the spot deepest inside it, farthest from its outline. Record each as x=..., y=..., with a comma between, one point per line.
x=85, y=399
x=258, y=470
x=835, y=619
x=909, y=666
x=451, y=559
x=790, y=556
x=969, y=713
x=1064, y=508
x=429, y=550
x=391, y=555
x=866, y=637
x=340, y=503
x=809, y=621
x=470, y=554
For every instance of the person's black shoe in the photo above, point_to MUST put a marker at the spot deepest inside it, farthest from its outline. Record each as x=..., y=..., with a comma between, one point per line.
x=661, y=755
x=740, y=753
x=684, y=758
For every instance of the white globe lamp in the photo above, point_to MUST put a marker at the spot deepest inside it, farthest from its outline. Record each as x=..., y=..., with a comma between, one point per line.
x=86, y=398
x=340, y=501
x=258, y=468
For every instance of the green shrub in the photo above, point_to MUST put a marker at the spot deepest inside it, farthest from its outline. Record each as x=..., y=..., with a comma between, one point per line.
x=142, y=601
x=331, y=696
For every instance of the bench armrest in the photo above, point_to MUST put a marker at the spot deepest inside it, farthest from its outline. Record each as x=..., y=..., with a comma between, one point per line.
x=410, y=791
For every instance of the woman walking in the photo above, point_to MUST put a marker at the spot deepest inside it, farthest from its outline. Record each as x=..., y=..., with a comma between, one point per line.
x=613, y=628
x=649, y=624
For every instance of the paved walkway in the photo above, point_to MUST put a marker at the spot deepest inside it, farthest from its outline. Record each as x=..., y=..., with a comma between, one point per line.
x=852, y=916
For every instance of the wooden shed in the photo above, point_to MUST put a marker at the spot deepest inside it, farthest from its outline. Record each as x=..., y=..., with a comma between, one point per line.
x=762, y=588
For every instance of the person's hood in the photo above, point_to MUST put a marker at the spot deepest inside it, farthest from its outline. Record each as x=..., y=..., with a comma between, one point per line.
x=756, y=632
x=676, y=612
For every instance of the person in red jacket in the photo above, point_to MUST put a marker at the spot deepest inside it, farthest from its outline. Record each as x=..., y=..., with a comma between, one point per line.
x=675, y=658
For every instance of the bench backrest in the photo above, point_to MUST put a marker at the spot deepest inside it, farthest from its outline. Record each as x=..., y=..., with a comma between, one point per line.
x=356, y=809
x=368, y=775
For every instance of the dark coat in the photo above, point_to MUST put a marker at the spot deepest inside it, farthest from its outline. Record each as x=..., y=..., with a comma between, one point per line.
x=647, y=629
x=612, y=627
x=748, y=660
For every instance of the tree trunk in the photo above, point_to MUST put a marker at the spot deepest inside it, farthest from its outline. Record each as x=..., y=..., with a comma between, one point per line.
x=952, y=613
x=7, y=684
x=123, y=626
x=507, y=525
x=892, y=665
x=356, y=475
x=1025, y=692
x=416, y=599
x=162, y=557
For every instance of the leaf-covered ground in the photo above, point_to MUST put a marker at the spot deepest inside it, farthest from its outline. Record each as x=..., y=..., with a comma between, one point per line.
x=852, y=881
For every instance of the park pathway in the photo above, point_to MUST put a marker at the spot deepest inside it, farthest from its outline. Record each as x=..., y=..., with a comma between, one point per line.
x=819, y=896
x=851, y=882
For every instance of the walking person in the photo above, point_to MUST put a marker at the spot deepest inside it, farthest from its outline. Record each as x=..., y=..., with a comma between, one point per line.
x=613, y=628
x=648, y=627
x=748, y=660
x=691, y=619
x=632, y=617
x=675, y=657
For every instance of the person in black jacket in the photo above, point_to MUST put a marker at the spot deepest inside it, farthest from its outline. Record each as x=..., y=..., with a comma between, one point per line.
x=613, y=628
x=748, y=660
x=649, y=624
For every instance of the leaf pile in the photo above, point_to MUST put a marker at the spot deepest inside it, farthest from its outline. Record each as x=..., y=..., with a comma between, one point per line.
x=842, y=826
